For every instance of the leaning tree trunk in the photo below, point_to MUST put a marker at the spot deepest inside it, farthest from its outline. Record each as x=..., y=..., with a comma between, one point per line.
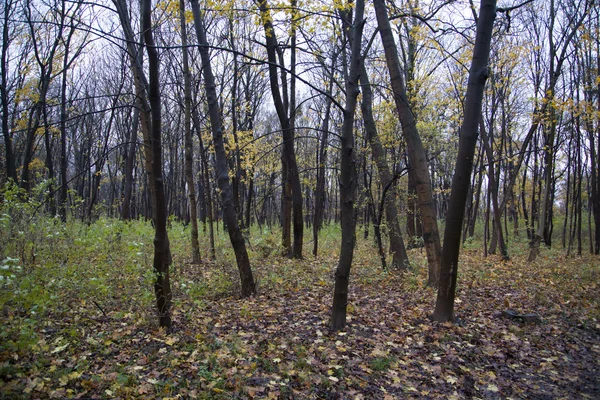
x=416, y=152
x=478, y=74
x=397, y=248
x=348, y=178
x=222, y=171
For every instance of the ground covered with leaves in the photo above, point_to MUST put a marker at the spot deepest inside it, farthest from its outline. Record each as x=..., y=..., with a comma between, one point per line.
x=78, y=323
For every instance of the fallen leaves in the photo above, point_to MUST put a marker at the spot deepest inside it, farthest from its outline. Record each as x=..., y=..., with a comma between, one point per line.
x=278, y=344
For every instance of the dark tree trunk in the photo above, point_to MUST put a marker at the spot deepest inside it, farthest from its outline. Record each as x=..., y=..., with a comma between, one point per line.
x=348, y=177
x=208, y=199
x=62, y=194
x=319, y=205
x=286, y=206
x=149, y=98
x=221, y=169
x=286, y=121
x=478, y=74
x=416, y=152
x=189, y=144
x=11, y=169
x=399, y=256
x=494, y=192
x=162, y=252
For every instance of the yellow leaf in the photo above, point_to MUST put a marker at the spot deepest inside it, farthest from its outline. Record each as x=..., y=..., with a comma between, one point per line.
x=171, y=340
x=493, y=388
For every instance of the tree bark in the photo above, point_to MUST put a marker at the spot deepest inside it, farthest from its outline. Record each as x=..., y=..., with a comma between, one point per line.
x=487, y=143
x=11, y=169
x=416, y=152
x=222, y=171
x=287, y=122
x=162, y=252
x=348, y=177
x=397, y=248
x=478, y=74
x=189, y=144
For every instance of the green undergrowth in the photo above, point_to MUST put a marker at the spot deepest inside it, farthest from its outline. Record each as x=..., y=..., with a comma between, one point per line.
x=73, y=295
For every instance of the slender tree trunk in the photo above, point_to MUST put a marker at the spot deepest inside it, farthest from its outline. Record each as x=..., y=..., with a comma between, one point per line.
x=478, y=74
x=286, y=121
x=321, y=163
x=348, y=176
x=568, y=197
x=221, y=169
x=487, y=143
x=189, y=144
x=11, y=169
x=162, y=252
x=208, y=199
x=416, y=152
x=151, y=126
x=399, y=256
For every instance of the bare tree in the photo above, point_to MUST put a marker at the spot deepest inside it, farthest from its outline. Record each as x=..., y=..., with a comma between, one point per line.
x=416, y=153
x=478, y=74
x=222, y=171
x=348, y=173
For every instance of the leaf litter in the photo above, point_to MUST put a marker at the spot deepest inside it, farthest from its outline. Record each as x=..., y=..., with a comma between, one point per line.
x=278, y=344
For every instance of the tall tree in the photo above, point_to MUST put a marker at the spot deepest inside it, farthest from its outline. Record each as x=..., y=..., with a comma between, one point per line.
x=348, y=172
x=148, y=92
x=222, y=171
x=478, y=74
x=8, y=11
x=187, y=122
x=416, y=153
x=397, y=248
x=285, y=107
x=162, y=252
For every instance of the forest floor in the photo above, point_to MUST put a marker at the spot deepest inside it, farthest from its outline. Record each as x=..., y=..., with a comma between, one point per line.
x=78, y=323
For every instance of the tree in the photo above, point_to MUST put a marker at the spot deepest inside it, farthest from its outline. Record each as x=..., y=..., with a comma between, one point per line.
x=222, y=171
x=397, y=248
x=348, y=173
x=286, y=110
x=7, y=37
x=152, y=120
x=557, y=57
x=478, y=74
x=189, y=176
x=416, y=153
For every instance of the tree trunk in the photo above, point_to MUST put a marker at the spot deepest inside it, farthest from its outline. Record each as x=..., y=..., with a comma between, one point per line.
x=222, y=172
x=11, y=169
x=189, y=144
x=399, y=256
x=208, y=190
x=321, y=163
x=416, y=152
x=151, y=126
x=286, y=121
x=348, y=177
x=478, y=74
x=487, y=143
x=162, y=252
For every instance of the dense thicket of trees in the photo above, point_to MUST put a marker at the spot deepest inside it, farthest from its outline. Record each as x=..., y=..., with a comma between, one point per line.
x=268, y=134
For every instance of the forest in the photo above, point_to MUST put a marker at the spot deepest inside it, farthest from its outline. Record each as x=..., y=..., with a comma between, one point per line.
x=300, y=199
